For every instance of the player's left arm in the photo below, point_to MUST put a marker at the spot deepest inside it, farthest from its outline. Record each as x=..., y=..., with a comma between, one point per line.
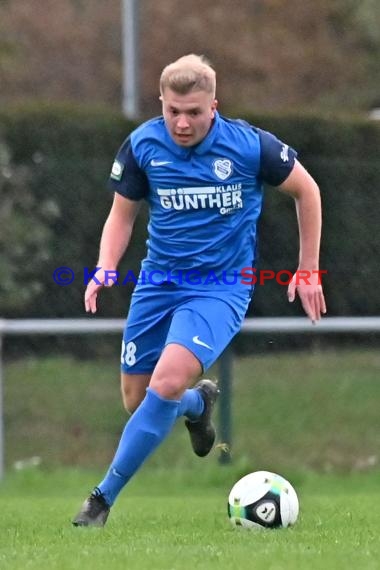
x=306, y=282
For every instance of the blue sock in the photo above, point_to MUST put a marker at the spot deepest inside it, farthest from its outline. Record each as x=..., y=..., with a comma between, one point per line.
x=145, y=430
x=191, y=404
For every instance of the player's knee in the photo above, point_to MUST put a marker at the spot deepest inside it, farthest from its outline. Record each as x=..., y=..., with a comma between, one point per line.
x=167, y=387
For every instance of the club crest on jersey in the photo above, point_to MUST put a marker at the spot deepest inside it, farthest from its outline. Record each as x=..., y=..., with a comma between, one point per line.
x=222, y=168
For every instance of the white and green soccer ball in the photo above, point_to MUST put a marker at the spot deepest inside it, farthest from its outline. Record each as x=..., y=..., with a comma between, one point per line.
x=262, y=500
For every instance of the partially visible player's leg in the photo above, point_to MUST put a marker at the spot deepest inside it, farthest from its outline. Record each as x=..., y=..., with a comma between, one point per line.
x=176, y=370
x=133, y=388
x=205, y=325
x=96, y=508
x=153, y=419
x=143, y=340
x=201, y=429
x=146, y=429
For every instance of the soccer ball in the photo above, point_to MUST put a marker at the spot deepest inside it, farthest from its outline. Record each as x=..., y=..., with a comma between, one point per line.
x=262, y=500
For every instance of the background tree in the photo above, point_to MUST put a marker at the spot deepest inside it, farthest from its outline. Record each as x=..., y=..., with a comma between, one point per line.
x=270, y=56
x=25, y=236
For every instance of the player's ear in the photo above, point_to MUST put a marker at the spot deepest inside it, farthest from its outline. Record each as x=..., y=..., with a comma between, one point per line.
x=214, y=106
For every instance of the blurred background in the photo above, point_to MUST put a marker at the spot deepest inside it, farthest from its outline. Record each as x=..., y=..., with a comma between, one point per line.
x=269, y=55
x=307, y=71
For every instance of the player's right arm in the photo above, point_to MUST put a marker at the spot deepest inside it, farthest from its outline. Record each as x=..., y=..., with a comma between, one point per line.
x=115, y=238
x=130, y=185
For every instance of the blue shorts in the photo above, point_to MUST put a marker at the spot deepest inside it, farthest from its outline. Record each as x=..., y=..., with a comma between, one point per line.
x=203, y=321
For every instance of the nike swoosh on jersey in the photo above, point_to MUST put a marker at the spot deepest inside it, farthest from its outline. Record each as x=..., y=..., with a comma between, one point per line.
x=154, y=162
x=200, y=342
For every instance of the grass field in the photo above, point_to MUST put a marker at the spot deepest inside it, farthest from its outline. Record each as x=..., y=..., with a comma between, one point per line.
x=176, y=521
x=310, y=417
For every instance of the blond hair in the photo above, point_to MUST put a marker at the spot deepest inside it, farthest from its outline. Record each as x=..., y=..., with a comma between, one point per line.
x=189, y=73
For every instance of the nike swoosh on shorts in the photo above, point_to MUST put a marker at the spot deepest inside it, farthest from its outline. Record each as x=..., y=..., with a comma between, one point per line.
x=197, y=340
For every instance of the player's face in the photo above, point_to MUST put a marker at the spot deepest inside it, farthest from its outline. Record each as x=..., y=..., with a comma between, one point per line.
x=188, y=118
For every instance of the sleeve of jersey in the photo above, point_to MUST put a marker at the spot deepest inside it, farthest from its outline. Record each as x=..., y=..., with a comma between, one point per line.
x=126, y=177
x=276, y=159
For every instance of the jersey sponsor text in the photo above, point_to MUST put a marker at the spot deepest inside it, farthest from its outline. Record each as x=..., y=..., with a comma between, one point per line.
x=226, y=198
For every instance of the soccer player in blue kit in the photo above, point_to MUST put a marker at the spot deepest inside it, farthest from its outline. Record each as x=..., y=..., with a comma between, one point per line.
x=202, y=176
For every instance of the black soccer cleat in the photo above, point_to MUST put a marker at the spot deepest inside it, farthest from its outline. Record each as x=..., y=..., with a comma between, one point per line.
x=94, y=512
x=202, y=431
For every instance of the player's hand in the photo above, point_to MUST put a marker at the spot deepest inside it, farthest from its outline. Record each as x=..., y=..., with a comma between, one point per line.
x=308, y=286
x=101, y=279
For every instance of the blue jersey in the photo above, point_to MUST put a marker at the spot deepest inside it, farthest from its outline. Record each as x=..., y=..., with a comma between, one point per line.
x=204, y=200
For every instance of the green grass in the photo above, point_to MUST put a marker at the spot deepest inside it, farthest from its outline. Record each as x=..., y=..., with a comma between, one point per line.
x=313, y=418
x=185, y=526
